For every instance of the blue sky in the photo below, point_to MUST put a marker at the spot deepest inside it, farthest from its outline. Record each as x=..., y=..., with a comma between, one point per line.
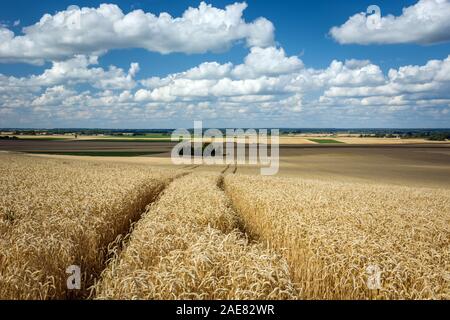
x=301, y=32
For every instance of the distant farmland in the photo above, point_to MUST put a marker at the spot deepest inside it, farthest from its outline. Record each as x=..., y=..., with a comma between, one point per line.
x=396, y=162
x=98, y=153
x=325, y=141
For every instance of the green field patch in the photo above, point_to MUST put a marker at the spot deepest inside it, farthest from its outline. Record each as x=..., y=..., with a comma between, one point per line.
x=144, y=136
x=45, y=139
x=132, y=140
x=325, y=141
x=99, y=153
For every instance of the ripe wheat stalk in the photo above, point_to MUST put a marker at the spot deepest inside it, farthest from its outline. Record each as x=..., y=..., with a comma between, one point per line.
x=54, y=214
x=330, y=233
x=187, y=246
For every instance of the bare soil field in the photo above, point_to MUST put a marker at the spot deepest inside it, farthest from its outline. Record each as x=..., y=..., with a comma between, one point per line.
x=82, y=145
x=419, y=164
x=415, y=165
x=299, y=140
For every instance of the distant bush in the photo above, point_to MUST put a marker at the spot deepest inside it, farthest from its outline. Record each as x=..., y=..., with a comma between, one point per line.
x=8, y=138
x=439, y=137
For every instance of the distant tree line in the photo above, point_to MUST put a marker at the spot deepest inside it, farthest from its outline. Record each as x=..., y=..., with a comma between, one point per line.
x=429, y=134
x=434, y=135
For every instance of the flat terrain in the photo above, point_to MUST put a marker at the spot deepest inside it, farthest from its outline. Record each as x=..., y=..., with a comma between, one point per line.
x=42, y=146
x=417, y=164
x=350, y=140
x=325, y=141
x=284, y=139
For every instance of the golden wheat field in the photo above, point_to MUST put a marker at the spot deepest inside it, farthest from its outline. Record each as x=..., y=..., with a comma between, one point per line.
x=60, y=213
x=188, y=246
x=333, y=233
x=143, y=233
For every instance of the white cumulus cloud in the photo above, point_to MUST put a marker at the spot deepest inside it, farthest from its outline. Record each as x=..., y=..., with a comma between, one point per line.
x=93, y=31
x=426, y=22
